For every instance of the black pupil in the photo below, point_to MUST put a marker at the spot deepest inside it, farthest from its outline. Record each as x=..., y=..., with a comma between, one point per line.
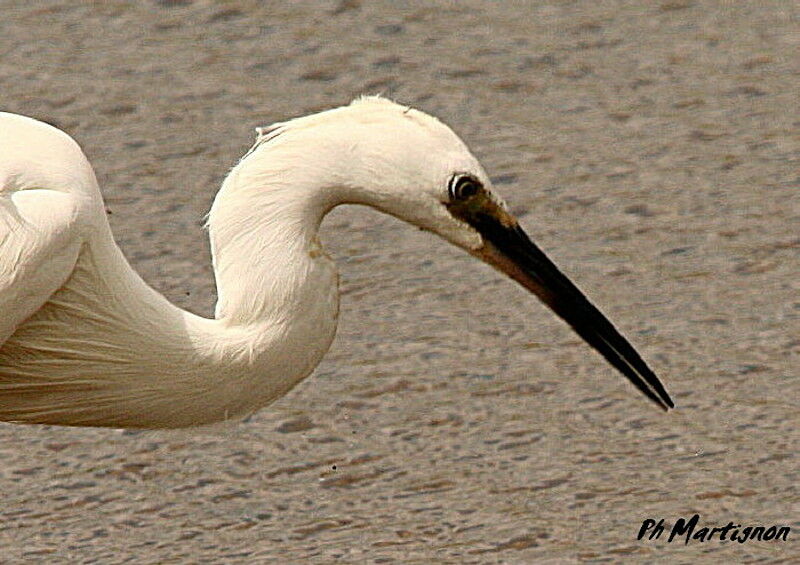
x=466, y=187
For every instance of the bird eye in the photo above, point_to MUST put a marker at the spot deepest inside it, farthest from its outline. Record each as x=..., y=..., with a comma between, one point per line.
x=463, y=187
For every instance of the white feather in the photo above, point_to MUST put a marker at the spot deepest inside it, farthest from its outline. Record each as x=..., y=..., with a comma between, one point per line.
x=84, y=341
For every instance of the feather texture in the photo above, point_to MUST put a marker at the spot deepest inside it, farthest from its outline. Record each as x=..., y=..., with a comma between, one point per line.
x=86, y=342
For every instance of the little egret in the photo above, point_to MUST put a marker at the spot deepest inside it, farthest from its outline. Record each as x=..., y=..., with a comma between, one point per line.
x=84, y=341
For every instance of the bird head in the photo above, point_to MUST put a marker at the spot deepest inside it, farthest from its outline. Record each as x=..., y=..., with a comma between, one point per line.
x=411, y=165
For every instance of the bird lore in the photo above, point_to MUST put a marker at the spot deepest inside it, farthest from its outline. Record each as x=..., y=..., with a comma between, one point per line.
x=730, y=532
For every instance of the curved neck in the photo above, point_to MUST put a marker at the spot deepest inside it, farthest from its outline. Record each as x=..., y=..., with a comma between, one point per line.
x=263, y=227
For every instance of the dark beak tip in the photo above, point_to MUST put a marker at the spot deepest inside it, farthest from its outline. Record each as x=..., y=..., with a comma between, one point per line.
x=510, y=250
x=665, y=403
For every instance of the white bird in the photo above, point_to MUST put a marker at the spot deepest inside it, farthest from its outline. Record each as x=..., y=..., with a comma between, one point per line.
x=84, y=341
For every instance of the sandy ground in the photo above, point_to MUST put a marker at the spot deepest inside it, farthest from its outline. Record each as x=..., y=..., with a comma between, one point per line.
x=651, y=148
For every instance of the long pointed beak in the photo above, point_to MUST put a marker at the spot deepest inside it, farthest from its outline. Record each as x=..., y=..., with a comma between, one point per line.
x=509, y=249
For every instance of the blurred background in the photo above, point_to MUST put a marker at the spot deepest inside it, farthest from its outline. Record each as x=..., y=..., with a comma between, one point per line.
x=650, y=148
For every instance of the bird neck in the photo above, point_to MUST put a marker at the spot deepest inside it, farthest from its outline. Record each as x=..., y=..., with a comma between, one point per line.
x=267, y=257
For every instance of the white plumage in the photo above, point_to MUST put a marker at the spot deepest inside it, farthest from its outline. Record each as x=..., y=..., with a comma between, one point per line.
x=85, y=341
